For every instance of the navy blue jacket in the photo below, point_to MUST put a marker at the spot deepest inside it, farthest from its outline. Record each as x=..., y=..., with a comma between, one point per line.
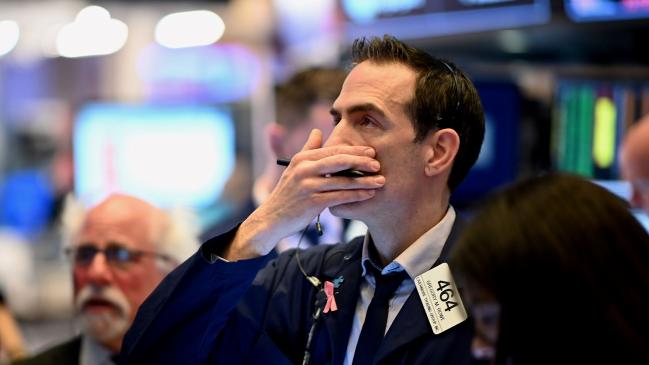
x=213, y=313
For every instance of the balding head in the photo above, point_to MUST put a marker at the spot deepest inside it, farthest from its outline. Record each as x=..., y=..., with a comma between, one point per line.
x=138, y=220
x=634, y=159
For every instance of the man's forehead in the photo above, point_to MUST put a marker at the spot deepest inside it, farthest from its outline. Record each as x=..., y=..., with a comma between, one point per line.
x=104, y=231
x=377, y=85
x=124, y=220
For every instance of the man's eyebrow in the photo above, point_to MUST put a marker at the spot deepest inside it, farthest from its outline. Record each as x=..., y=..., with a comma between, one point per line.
x=334, y=113
x=368, y=107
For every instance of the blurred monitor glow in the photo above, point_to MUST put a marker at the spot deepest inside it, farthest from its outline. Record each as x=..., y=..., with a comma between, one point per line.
x=606, y=10
x=189, y=29
x=26, y=201
x=92, y=33
x=363, y=11
x=497, y=163
x=219, y=73
x=9, y=35
x=169, y=155
x=620, y=188
x=408, y=19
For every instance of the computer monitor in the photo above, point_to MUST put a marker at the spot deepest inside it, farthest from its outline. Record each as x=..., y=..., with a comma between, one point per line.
x=170, y=155
x=606, y=10
x=498, y=161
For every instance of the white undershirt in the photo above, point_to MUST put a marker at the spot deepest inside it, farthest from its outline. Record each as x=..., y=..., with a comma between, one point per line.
x=92, y=353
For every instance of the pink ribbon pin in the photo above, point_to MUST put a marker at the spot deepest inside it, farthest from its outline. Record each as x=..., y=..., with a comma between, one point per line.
x=331, y=301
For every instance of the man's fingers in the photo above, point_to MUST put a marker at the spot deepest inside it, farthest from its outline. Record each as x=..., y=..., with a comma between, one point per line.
x=336, y=163
x=314, y=141
x=315, y=154
x=338, y=183
x=333, y=198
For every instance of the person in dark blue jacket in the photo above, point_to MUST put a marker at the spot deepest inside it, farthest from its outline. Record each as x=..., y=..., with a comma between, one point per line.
x=413, y=126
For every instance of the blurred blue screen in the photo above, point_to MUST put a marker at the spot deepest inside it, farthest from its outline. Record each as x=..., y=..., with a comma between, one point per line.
x=168, y=155
x=412, y=19
x=498, y=161
x=606, y=10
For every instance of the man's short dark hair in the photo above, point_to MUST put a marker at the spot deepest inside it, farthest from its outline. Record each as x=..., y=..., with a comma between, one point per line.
x=295, y=96
x=444, y=97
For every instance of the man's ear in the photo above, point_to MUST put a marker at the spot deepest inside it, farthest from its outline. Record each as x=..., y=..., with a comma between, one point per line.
x=442, y=147
x=276, y=136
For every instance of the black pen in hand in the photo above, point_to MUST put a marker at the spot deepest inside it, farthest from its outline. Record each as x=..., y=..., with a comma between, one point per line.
x=345, y=173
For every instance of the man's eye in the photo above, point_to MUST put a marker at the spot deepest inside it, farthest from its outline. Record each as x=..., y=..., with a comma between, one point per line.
x=336, y=120
x=367, y=122
x=85, y=254
x=119, y=254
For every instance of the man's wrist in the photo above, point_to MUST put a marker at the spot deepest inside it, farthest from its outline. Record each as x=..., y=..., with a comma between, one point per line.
x=248, y=242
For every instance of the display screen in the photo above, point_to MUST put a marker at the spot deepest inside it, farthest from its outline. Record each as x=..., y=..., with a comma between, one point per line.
x=606, y=10
x=590, y=120
x=425, y=18
x=168, y=155
x=497, y=164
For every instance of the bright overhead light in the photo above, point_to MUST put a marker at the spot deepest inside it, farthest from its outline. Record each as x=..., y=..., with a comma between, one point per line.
x=9, y=34
x=189, y=29
x=92, y=33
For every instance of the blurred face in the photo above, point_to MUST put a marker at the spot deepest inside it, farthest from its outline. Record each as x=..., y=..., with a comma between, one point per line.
x=635, y=163
x=319, y=118
x=112, y=275
x=635, y=168
x=370, y=111
x=485, y=311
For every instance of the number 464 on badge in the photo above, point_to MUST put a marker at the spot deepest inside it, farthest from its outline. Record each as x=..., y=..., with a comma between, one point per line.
x=440, y=298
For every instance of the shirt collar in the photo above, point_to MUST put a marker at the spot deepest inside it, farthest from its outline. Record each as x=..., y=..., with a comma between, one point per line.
x=420, y=256
x=92, y=353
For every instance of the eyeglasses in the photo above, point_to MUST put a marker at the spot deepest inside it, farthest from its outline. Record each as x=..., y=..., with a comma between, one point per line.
x=116, y=254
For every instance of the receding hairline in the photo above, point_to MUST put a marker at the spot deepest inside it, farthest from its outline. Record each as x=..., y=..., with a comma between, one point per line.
x=129, y=209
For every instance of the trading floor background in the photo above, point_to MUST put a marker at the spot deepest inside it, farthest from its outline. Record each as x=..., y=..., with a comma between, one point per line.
x=169, y=100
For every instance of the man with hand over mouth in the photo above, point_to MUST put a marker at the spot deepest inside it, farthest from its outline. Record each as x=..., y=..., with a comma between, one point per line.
x=412, y=126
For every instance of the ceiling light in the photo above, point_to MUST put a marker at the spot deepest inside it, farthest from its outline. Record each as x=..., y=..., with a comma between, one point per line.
x=9, y=34
x=92, y=33
x=189, y=29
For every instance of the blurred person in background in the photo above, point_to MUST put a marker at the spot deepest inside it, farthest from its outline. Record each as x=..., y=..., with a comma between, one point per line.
x=634, y=161
x=12, y=345
x=302, y=103
x=555, y=269
x=120, y=250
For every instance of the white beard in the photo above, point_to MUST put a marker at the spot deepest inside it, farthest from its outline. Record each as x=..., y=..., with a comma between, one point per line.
x=108, y=325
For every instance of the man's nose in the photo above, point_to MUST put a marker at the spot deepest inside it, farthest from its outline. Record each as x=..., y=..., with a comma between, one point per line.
x=98, y=269
x=339, y=136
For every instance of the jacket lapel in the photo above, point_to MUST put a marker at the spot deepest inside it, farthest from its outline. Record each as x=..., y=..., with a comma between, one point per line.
x=339, y=323
x=412, y=322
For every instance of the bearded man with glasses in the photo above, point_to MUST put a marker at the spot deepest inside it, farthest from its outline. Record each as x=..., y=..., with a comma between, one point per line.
x=119, y=251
